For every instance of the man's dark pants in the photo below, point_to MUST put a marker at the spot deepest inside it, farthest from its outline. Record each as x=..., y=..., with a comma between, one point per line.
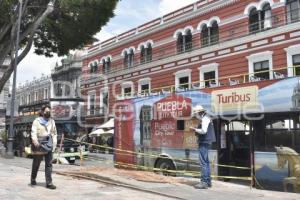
x=48, y=167
x=204, y=163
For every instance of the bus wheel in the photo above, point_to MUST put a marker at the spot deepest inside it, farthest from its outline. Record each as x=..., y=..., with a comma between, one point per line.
x=72, y=162
x=165, y=167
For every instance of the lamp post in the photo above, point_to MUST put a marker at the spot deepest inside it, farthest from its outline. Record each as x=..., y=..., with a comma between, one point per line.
x=10, y=153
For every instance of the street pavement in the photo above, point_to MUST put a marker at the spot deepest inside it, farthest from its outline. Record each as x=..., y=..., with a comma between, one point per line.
x=15, y=176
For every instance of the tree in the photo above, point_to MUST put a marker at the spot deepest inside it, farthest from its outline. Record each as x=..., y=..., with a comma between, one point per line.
x=51, y=26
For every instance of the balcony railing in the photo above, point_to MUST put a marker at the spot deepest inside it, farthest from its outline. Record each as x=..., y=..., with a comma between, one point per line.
x=236, y=31
x=240, y=79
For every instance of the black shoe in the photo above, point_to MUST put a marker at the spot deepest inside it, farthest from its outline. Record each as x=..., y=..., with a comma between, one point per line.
x=33, y=182
x=209, y=185
x=51, y=186
x=201, y=185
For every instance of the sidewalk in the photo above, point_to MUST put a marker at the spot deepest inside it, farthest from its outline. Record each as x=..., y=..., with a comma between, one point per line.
x=15, y=174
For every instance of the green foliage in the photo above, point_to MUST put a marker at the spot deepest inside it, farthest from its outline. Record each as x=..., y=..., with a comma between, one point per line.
x=71, y=25
x=3, y=135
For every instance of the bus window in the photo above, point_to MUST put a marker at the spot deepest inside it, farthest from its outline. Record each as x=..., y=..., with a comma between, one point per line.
x=180, y=125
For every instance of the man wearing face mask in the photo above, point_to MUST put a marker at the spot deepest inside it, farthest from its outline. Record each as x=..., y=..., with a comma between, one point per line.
x=43, y=127
x=206, y=136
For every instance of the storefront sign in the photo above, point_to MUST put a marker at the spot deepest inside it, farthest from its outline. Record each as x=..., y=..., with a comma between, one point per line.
x=236, y=99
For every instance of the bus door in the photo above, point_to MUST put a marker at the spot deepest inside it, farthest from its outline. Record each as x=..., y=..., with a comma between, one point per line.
x=145, y=135
x=235, y=148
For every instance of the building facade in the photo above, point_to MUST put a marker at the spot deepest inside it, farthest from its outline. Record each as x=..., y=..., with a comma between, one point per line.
x=215, y=47
x=30, y=97
x=197, y=46
x=66, y=102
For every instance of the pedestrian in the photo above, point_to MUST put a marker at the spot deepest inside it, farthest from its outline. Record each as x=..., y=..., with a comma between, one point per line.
x=206, y=136
x=43, y=127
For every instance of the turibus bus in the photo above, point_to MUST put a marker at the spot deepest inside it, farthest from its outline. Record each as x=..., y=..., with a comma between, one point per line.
x=257, y=127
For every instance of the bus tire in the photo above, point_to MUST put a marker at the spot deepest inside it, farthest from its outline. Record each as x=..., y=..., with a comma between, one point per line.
x=71, y=161
x=163, y=165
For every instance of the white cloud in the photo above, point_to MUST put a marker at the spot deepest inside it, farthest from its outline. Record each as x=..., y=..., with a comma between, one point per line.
x=167, y=6
x=104, y=34
x=34, y=66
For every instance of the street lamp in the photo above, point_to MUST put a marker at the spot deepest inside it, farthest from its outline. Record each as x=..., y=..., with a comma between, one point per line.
x=10, y=153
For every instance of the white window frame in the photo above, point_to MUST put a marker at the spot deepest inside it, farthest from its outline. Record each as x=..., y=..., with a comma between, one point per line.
x=290, y=52
x=103, y=90
x=208, y=68
x=126, y=85
x=144, y=81
x=181, y=74
x=90, y=93
x=259, y=57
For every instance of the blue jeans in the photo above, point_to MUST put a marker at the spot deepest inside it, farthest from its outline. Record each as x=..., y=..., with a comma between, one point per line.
x=204, y=163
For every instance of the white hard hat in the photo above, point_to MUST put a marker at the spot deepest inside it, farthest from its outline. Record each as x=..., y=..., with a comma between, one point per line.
x=197, y=109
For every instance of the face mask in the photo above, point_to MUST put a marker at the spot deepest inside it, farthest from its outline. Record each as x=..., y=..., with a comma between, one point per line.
x=47, y=114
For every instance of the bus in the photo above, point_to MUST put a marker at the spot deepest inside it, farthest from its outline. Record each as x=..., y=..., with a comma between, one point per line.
x=257, y=127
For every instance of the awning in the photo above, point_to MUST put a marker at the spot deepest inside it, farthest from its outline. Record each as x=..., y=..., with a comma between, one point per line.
x=101, y=131
x=109, y=124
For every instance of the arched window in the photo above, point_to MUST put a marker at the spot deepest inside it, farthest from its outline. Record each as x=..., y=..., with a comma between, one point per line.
x=266, y=16
x=184, y=41
x=126, y=59
x=214, y=33
x=106, y=65
x=180, y=43
x=205, y=36
x=131, y=58
x=293, y=7
x=260, y=19
x=143, y=54
x=149, y=53
x=93, y=67
x=254, y=20
x=188, y=40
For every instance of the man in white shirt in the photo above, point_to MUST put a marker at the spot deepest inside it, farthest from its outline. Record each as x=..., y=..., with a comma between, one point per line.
x=206, y=136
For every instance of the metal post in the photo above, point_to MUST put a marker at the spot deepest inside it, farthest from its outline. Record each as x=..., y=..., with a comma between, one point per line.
x=10, y=153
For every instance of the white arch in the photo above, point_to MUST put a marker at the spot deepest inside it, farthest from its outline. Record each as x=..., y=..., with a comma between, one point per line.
x=185, y=30
x=177, y=32
x=92, y=62
x=201, y=25
x=149, y=42
x=212, y=20
x=131, y=48
x=249, y=8
x=103, y=58
x=108, y=57
x=264, y=2
x=124, y=51
x=141, y=45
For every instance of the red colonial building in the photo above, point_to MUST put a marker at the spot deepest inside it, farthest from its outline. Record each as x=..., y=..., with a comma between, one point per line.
x=247, y=47
x=208, y=44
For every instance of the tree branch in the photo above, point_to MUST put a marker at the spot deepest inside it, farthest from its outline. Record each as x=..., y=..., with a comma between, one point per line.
x=36, y=24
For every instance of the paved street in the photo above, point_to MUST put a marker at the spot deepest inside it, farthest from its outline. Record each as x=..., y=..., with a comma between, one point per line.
x=14, y=185
x=15, y=173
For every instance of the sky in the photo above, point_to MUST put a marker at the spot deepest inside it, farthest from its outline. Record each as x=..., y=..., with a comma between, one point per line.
x=128, y=14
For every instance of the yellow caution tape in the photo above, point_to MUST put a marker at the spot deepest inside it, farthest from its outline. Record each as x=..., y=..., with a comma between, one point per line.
x=155, y=156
